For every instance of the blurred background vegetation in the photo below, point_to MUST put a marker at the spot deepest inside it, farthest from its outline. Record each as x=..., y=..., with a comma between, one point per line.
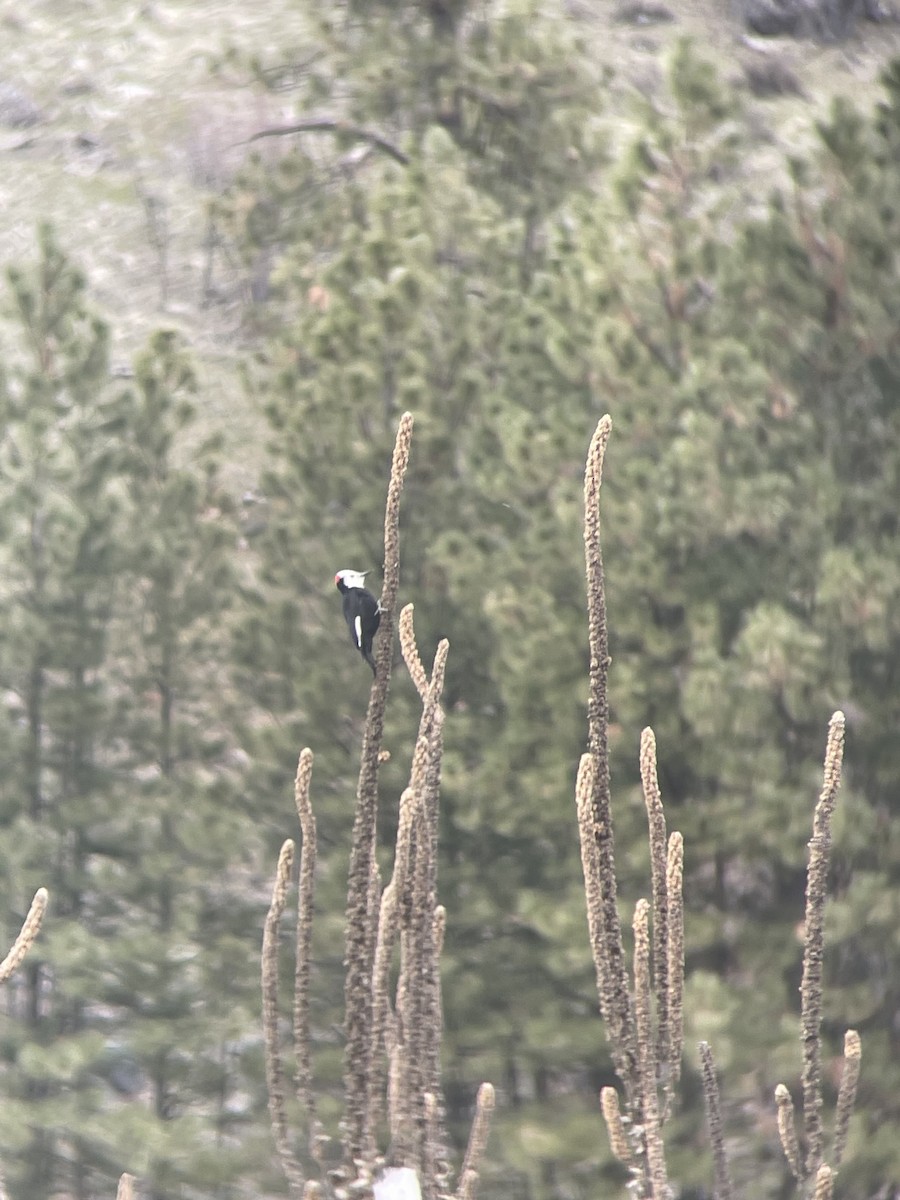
x=482, y=224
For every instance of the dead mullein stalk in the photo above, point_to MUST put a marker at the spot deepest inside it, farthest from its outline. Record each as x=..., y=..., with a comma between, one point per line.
x=384, y=1032
x=410, y=650
x=359, y=928
x=824, y=1183
x=722, y=1188
x=813, y=946
x=478, y=1137
x=656, y=822
x=125, y=1190
x=620, y=1020
x=593, y=892
x=612, y=1115
x=675, y=958
x=646, y=1048
x=27, y=934
x=305, y=898
x=787, y=1130
x=846, y=1094
x=274, y=1070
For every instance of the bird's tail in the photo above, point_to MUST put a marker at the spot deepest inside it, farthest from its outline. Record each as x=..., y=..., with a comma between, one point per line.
x=367, y=655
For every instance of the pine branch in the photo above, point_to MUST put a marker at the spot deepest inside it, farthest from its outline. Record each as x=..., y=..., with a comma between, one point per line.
x=343, y=129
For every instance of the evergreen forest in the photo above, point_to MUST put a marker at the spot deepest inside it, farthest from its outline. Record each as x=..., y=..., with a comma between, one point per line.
x=451, y=224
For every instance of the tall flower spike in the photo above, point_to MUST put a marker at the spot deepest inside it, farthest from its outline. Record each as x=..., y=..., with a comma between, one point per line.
x=125, y=1190
x=824, y=1183
x=27, y=934
x=478, y=1137
x=814, y=945
x=612, y=1115
x=787, y=1130
x=846, y=1094
x=274, y=1069
x=305, y=899
x=646, y=1047
x=723, y=1188
x=620, y=1022
x=675, y=958
x=593, y=893
x=656, y=821
x=360, y=921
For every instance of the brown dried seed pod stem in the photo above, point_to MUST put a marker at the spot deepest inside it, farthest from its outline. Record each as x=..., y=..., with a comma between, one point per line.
x=274, y=1069
x=787, y=1130
x=722, y=1188
x=824, y=1183
x=593, y=892
x=305, y=900
x=846, y=1094
x=478, y=1138
x=620, y=1024
x=125, y=1190
x=814, y=945
x=360, y=926
x=27, y=934
x=646, y=1048
x=410, y=651
x=656, y=822
x=612, y=1115
x=675, y=959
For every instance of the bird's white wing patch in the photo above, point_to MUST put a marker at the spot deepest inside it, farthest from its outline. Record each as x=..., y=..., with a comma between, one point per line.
x=357, y=627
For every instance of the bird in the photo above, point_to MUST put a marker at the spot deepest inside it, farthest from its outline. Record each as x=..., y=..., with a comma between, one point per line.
x=362, y=611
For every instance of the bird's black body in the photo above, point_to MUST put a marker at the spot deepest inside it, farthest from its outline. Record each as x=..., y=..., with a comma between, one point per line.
x=361, y=612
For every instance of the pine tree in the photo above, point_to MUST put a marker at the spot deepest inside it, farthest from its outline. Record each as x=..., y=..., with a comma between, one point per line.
x=60, y=516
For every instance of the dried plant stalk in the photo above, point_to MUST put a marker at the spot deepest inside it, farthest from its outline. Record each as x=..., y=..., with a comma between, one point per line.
x=675, y=959
x=814, y=943
x=305, y=899
x=27, y=934
x=846, y=1094
x=620, y=1021
x=274, y=1069
x=612, y=1115
x=824, y=1183
x=722, y=1187
x=593, y=892
x=646, y=1047
x=410, y=651
x=478, y=1138
x=656, y=821
x=125, y=1190
x=787, y=1131
x=359, y=929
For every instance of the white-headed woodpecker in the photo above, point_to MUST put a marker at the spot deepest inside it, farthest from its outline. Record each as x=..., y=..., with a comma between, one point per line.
x=361, y=611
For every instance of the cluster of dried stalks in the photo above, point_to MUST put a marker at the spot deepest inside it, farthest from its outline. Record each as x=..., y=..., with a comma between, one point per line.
x=644, y=1017
x=392, y=1079
x=392, y=1084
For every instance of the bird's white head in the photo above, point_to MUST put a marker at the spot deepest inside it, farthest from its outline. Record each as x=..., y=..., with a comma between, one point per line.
x=351, y=579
